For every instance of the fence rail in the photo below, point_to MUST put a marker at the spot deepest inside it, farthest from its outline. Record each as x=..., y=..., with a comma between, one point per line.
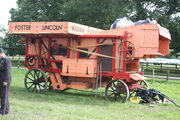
x=167, y=72
x=17, y=61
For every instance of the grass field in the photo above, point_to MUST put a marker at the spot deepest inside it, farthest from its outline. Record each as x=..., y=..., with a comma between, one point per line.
x=81, y=105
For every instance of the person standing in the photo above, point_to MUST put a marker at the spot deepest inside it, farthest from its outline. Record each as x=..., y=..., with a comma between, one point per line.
x=5, y=80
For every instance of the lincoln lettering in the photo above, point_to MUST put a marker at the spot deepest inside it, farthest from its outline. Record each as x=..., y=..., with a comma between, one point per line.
x=23, y=27
x=52, y=27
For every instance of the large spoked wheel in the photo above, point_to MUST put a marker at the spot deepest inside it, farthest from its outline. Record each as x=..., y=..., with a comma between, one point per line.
x=117, y=90
x=35, y=80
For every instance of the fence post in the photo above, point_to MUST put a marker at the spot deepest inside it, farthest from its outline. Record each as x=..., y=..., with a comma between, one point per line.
x=147, y=65
x=18, y=62
x=153, y=74
x=12, y=57
x=142, y=68
x=167, y=77
x=176, y=66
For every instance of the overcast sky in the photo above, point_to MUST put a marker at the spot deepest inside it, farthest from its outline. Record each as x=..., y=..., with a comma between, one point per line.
x=5, y=6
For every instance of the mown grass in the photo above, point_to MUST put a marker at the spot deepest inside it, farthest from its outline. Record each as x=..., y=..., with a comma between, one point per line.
x=81, y=105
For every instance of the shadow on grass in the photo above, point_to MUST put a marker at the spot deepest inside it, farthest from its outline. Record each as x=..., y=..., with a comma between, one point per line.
x=70, y=96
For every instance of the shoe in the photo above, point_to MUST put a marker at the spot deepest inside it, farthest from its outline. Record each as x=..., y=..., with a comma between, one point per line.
x=1, y=114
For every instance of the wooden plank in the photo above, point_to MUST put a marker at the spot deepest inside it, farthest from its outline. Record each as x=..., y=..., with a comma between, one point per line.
x=51, y=28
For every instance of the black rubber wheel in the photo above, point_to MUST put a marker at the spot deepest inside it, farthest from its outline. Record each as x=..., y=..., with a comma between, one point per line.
x=117, y=90
x=35, y=80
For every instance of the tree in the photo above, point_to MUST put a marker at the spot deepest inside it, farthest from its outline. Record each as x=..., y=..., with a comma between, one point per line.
x=1, y=40
x=37, y=10
x=101, y=13
x=97, y=13
x=164, y=12
x=9, y=42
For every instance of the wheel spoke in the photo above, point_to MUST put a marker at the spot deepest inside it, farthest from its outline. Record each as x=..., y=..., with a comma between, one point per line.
x=38, y=74
x=115, y=96
x=122, y=99
x=34, y=88
x=29, y=82
x=32, y=74
x=35, y=75
x=119, y=97
x=111, y=91
x=39, y=87
x=112, y=88
x=132, y=93
x=30, y=86
x=114, y=85
x=110, y=94
x=30, y=79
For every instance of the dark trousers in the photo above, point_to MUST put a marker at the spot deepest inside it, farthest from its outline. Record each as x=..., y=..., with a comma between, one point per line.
x=4, y=99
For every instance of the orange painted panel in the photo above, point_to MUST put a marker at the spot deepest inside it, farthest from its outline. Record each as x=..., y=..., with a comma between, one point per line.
x=80, y=85
x=78, y=74
x=144, y=37
x=33, y=48
x=89, y=41
x=137, y=77
x=164, y=45
x=79, y=66
x=73, y=54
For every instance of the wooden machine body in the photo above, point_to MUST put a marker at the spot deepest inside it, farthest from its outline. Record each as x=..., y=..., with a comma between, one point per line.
x=74, y=53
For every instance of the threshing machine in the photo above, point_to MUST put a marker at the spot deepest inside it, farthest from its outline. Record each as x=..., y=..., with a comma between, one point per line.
x=64, y=55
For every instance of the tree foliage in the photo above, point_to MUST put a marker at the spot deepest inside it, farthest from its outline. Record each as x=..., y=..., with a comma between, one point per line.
x=165, y=13
x=101, y=13
x=97, y=13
